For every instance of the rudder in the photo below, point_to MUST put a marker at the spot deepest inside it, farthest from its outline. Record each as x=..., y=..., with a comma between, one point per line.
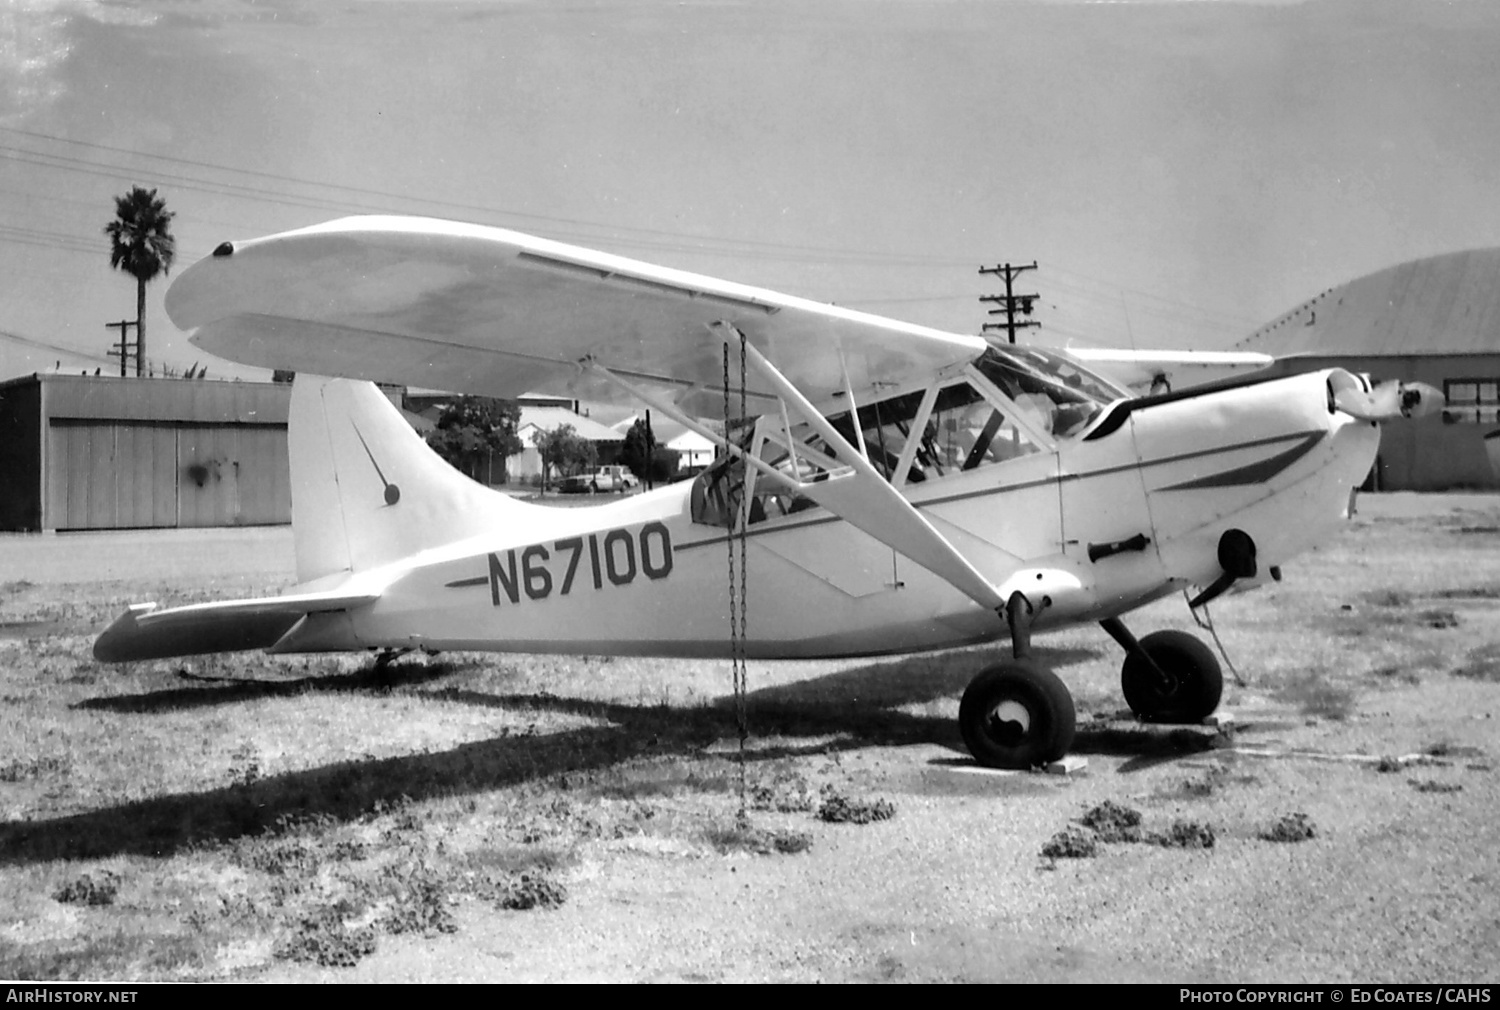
x=367, y=490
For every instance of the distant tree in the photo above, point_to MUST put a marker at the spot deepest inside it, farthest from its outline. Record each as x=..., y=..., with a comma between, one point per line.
x=638, y=449
x=473, y=429
x=141, y=244
x=566, y=450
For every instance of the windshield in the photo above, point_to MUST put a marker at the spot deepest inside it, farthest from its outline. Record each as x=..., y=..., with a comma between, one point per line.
x=1058, y=393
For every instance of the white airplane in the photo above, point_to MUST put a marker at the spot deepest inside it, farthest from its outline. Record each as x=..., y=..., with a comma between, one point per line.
x=896, y=488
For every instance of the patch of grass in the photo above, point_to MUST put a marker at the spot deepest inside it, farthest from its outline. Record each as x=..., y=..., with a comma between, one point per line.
x=1071, y=843
x=1113, y=822
x=23, y=769
x=531, y=890
x=1387, y=598
x=1446, y=749
x=1480, y=663
x=1295, y=827
x=1315, y=694
x=1183, y=835
x=98, y=888
x=836, y=808
x=1434, y=786
x=424, y=907
x=788, y=791
x=744, y=836
x=326, y=938
x=1214, y=778
x=1486, y=592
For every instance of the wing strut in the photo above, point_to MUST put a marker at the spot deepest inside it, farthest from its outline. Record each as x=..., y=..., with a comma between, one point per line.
x=859, y=494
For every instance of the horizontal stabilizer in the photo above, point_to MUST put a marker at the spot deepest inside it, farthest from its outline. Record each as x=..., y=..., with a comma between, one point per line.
x=146, y=632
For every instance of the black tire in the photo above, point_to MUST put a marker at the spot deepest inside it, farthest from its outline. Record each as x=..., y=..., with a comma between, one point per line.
x=594, y=488
x=1197, y=680
x=1016, y=715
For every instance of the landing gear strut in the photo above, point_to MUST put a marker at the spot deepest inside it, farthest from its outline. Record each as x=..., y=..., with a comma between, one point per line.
x=1168, y=676
x=1017, y=714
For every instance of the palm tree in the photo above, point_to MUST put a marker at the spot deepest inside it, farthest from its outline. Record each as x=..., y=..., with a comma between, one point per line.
x=141, y=244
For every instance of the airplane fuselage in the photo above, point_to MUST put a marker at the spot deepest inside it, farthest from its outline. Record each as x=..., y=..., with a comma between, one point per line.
x=639, y=576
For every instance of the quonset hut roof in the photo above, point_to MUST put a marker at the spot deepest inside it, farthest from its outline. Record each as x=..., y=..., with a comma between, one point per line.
x=1447, y=304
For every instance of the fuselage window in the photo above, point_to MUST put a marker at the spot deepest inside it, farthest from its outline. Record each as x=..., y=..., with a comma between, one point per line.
x=967, y=431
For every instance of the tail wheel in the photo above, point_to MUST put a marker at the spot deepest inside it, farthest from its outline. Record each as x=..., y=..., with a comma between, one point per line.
x=1016, y=715
x=1194, y=681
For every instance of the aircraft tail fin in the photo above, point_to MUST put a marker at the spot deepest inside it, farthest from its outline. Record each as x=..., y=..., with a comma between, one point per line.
x=367, y=490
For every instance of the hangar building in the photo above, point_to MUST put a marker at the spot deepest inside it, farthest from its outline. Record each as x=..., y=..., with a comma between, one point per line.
x=1433, y=320
x=92, y=452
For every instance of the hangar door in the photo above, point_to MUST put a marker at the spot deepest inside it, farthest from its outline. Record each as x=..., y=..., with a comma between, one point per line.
x=124, y=475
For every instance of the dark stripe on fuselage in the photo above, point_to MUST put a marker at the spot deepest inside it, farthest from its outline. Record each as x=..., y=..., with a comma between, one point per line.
x=1251, y=473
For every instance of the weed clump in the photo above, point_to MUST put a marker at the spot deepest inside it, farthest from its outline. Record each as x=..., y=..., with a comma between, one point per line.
x=1316, y=695
x=1291, y=828
x=1113, y=822
x=1071, y=843
x=837, y=808
x=423, y=909
x=1433, y=786
x=1482, y=663
x=90, y=889
x=324, y=938
x=785, y=794
x=31, y=768
x=742, y=836
x=531, y=890
x=1388, y=764
x=1183, y=835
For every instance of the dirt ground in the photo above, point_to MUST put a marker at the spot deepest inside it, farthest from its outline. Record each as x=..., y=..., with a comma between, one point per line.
x=1352, y=811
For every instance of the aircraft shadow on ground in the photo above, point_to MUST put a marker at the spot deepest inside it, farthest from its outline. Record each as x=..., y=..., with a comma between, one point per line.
x=845, y=710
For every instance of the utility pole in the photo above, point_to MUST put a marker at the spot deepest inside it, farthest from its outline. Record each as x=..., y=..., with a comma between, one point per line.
x=122, y=349
x=1010, y=303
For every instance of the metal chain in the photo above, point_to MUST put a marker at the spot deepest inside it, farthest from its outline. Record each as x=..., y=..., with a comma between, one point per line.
x=742, y=681
x=737, y=588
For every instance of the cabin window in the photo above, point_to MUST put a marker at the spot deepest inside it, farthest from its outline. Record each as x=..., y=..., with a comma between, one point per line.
x=1061, y=395
x=718, y=491
x=967, y=431
x=916, y=436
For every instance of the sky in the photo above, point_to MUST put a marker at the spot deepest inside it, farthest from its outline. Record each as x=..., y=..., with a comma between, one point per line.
x=1180, y=172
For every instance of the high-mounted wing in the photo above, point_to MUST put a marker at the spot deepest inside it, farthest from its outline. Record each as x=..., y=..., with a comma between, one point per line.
x=1145, y=369
x=475, y=309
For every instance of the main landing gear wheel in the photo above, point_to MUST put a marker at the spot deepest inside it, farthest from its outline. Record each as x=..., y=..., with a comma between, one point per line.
x=1194, y=684
x=1016, y=715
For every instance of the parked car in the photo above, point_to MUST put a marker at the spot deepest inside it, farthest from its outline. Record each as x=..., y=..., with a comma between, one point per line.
x=604, y=478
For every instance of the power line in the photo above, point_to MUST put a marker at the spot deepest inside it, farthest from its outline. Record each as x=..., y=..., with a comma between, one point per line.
x=565, y=228
x=46, y=346
x=652, y=237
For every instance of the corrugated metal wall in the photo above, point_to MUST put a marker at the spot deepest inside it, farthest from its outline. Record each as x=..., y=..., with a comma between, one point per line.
x=124, y=475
